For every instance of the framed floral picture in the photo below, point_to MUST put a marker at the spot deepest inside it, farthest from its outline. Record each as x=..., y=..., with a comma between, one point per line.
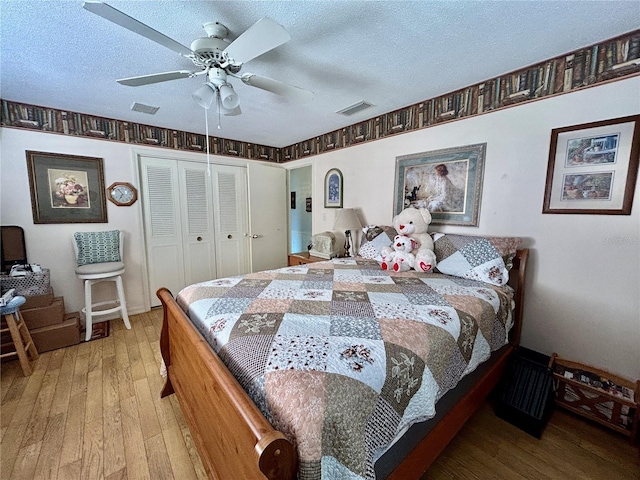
x=333, y=189
x=66, y=188
x=446, y=182
x=593, y=167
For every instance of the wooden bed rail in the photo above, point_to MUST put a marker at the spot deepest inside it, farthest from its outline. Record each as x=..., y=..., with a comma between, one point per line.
x=418, y=461
x=227, y=427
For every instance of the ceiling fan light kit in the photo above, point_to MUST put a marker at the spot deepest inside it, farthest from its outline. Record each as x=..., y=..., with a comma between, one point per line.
x=216, y=85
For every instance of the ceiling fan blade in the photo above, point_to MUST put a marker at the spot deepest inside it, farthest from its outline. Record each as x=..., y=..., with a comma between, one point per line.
x=155, y=78
x=290, y=92
x=262, y=36
x=116, y=16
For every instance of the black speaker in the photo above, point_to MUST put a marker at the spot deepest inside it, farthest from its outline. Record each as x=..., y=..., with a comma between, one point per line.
x=525, y=395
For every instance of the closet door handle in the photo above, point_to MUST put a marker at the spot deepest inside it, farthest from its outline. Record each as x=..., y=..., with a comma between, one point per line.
x=199, y=239
x=229, y=236
x=255, y=236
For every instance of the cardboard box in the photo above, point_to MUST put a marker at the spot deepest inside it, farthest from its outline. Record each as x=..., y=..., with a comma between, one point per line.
x=61, y=335
x=44, y=316
x=37, y=301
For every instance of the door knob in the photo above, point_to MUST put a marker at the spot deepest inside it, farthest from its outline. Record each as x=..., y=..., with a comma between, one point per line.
x=255, y=236
x=229, y=236
x=199, y=239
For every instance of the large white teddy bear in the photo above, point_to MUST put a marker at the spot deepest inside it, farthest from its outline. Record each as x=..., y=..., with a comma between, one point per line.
x=400, y=259
x=414, y=222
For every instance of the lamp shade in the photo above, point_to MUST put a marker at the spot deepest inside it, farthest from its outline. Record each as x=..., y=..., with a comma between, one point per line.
x=228, y=96
x=205, y=95
x=346, y=219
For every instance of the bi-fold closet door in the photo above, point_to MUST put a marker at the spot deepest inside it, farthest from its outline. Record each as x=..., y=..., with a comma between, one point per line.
x=196, y=225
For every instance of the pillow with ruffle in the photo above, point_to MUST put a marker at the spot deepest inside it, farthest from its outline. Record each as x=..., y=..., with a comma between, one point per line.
x=375, y=237
x=487, y=259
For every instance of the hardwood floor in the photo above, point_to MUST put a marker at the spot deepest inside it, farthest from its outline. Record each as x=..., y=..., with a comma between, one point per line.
x=93, y=411
x=570, y=448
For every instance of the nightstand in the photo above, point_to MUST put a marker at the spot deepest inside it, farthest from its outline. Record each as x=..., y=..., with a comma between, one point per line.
x=302, y=258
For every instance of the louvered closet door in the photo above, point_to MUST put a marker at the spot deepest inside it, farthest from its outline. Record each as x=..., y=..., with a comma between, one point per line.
x=231, y=219
x=197, y=223
x=162, y=225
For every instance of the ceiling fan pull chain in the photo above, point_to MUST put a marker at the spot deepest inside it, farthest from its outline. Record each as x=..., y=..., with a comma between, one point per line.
x=218, y=101
x=206, y=125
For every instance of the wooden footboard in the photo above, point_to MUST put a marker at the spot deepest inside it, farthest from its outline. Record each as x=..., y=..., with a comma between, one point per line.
x=234, y=439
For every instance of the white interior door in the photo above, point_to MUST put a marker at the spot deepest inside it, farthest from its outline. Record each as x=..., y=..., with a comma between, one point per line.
x=199, y=227
x=231, y=218
x=163, y=231
x=179, y=228
x=198, y=237
x=267, y=216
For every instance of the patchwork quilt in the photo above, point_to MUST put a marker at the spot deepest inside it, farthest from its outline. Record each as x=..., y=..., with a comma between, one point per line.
x=343, y=357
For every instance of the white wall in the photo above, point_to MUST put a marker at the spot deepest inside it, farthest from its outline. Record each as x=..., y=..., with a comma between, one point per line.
x=584, y=282
x=50, y=245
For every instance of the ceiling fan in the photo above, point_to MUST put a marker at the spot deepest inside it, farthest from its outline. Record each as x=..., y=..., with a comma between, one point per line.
x=215, y=57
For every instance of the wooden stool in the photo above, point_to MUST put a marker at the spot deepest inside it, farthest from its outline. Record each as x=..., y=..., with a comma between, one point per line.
x=19, y=334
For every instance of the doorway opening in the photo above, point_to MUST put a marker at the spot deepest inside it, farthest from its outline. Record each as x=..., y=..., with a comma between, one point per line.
x=300, y=183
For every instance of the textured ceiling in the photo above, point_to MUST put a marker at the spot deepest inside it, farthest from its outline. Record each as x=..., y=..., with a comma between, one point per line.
x=388, y=53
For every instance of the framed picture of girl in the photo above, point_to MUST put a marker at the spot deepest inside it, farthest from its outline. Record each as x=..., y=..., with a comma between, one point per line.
x=447, y=182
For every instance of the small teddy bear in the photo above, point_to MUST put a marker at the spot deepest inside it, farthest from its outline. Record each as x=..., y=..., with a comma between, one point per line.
x=400, y=259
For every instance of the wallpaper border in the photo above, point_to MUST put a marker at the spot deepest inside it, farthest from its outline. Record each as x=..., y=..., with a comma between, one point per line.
x=606, y=61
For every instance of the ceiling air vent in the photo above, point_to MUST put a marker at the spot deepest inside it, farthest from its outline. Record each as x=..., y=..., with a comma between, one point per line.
x=141, y=107
x=355, y=108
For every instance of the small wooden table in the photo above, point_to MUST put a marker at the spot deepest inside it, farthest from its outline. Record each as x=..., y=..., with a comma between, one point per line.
x=302, y=258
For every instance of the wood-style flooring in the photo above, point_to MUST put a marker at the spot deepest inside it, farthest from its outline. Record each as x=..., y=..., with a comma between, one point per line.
x=93, y=411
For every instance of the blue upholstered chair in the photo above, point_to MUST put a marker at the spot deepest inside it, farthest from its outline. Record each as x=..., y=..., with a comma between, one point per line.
x=24, y=346
x=99, y=257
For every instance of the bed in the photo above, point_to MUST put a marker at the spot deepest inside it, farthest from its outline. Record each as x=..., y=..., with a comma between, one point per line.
x=214, y=366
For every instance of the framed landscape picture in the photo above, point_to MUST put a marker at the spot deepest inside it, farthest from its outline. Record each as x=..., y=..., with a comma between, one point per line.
x=446, y=182
x=593, y=167
x=66, y=188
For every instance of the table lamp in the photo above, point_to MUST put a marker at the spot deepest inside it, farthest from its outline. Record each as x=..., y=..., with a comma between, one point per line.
x=347, y=220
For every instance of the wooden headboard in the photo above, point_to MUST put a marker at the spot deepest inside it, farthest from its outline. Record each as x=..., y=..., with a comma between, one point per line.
x=517, y=281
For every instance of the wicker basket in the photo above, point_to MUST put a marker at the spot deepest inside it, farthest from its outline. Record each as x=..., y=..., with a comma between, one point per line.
x=600, y=396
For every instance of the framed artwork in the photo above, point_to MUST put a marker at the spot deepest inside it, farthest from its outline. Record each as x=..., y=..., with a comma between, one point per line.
x=333, y=189
x=66, y=188
x=447, y=182
x=593, y=167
